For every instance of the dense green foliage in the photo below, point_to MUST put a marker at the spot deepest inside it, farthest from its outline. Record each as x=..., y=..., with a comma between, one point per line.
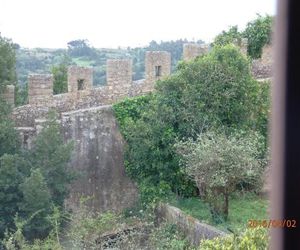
x=216, y=90
x=32, y=181
x=227, y=37
x=7, y=62
x=79, y=48
x=9, y=141
x=60, y=74
x=13, y=170
x=8, y=73
x=51, y=155
x=60, y=84
x=252, y=238
x=21, y=94
x=36, y=199
x=258, y=33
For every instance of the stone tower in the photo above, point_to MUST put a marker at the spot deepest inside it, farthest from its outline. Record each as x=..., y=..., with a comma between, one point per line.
x=40, y=88
x=79, y=78
x=157, y=66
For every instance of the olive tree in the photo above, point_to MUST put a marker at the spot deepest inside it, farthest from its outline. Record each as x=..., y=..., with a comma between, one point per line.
x=218, y=163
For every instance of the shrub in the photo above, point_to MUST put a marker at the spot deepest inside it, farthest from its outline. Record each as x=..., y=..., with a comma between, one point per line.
x=252, y=238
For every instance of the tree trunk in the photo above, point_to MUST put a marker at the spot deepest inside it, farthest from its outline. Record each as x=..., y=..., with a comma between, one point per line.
x=225, y=209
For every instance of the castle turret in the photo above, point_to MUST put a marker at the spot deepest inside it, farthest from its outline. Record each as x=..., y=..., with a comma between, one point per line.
x=40, y=88
x=157, y=66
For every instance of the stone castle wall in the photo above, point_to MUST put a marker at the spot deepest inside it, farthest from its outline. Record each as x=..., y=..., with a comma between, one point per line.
x=98, y=157
x=81, y=93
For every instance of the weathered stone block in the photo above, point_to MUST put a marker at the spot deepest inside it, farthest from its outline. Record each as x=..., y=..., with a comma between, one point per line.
x=40, y=89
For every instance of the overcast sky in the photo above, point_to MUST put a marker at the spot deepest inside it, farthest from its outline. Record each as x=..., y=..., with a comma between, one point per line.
x=113, y=23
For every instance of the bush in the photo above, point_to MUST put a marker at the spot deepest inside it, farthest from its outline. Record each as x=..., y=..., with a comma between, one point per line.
x=167, y=237
x=252, y=238
x=258, y=32
x=51, y=155
x=31, y=181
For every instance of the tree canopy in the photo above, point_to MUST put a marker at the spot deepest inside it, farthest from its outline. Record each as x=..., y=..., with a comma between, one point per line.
x=258, y=33
x=218, y=163
x=33, y=181
x=7, y=62
x=213, y=91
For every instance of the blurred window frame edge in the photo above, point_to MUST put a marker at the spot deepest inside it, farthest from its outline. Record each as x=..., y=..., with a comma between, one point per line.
x=285, y=126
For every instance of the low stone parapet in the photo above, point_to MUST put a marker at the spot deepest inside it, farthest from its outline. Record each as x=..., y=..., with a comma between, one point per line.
x=192, y=228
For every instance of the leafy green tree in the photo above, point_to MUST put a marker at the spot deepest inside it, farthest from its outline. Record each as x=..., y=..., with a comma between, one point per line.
x=13, y=170
x=7, y=62
x=9, y=142
x=36, y=199
x=51, y=155
x=30, y=192
x=218, y=163
x=227, y=37
x=9, y=139
x=258, y=32
x=21, y=94
x=60, y=74
x=81, y=48
x=216, y=90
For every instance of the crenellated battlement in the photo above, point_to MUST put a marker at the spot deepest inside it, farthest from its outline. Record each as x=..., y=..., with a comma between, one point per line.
x=40, y=89
x=119, y=82
x=82, y=94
